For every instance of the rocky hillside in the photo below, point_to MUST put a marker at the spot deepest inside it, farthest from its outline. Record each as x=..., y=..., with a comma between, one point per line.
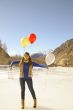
x=4, y=57
x=64, y=54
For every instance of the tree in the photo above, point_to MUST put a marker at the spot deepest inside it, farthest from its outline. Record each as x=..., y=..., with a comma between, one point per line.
x=0, y=43
x=4, y=46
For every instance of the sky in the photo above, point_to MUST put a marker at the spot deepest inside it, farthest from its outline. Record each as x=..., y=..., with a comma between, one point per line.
x=50, y=20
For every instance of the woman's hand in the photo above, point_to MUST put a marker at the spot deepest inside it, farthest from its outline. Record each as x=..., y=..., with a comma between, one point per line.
x=10, y=67
x=46, y=67
x=30, y=76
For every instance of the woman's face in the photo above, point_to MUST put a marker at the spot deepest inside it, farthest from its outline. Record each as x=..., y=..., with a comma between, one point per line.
x=26, y=57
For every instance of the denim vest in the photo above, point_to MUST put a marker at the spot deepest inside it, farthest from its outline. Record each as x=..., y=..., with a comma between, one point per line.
x=22, y=73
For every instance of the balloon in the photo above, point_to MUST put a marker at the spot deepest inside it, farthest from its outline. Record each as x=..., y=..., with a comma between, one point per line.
x=24, y=42
x=50, y=58
x=32, y=38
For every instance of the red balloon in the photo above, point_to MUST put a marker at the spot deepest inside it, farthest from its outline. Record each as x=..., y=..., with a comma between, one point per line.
x=32, y=38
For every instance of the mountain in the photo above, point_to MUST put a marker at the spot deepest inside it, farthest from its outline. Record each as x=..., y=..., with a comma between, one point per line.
x=64, y=54
x=4, y=57
x=36, y=55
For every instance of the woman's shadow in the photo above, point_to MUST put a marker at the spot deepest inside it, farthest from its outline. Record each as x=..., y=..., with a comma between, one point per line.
x=38, y=108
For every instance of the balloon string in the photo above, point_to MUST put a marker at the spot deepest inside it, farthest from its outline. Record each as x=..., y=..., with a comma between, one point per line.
x=24, y=49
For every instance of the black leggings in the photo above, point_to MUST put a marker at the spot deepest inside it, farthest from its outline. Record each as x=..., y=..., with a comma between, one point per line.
x=30, y=86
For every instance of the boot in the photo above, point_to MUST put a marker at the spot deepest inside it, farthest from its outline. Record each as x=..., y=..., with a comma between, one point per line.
x=35, y=103
x=22, y=103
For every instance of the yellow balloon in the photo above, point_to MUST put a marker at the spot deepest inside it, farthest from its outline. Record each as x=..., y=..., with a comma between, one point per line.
x=24, y=42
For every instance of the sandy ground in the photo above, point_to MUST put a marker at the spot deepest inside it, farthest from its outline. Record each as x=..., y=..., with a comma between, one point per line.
x=53, y=88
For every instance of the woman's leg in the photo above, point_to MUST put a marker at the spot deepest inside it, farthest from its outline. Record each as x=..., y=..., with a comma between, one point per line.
x=22, y=84
x=30, y=86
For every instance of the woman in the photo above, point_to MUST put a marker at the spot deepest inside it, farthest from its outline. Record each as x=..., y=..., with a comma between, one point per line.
x=26, y=66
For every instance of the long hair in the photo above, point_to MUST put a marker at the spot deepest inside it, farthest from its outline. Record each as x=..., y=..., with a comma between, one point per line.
x=23, y=59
